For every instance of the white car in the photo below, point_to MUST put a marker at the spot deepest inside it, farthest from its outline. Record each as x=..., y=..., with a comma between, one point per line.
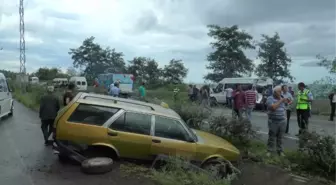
x=6, y=100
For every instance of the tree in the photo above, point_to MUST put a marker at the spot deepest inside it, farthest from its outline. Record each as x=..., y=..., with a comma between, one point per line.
x=144, y=69
x=95, y=60
x=275, y=61
x=174, y=72
x=71, y=71
x=228, y=58
x=327, y=63
x=46, y=74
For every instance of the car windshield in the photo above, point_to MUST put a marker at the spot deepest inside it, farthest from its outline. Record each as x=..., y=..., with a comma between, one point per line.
x=193, y=135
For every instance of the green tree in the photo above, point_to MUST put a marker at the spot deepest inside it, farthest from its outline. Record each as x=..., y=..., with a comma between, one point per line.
x=275, y=61
x=174, y=72
x=9, y=74
x=94, y=59
x=329, y=64
x=145, y=69
x=47, y=74
x=228, y=58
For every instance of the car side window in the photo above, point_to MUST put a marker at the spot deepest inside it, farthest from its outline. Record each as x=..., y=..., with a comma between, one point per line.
x=169, y=128
x=133, y=122
x=92, y=114
x=3, y=85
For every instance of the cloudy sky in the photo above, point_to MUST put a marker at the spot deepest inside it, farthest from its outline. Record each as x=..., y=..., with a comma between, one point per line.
x=164, y=29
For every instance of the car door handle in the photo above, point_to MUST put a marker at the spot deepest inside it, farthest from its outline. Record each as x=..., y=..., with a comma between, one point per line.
x=112, y=133
x=156, y=141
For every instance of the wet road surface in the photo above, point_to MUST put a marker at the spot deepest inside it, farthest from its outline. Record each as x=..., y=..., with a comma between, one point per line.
x=24, y=160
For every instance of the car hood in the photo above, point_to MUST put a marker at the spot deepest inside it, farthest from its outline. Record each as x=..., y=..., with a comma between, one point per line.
x=213, y=140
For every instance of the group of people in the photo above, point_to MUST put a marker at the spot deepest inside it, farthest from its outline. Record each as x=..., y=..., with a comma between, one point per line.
x=49, y=107
x=202, y=95
x=279, y=114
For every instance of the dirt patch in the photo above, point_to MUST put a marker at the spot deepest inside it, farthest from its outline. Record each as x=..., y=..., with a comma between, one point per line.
x=254, y=173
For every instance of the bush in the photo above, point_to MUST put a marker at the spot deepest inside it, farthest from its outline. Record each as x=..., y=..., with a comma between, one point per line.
x=317, y=154
x=194, y=116
x=239, y=132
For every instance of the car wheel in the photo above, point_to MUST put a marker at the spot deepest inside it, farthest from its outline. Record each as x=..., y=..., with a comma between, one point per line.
x=98, y=165
x=218, y=168
x=11, y=110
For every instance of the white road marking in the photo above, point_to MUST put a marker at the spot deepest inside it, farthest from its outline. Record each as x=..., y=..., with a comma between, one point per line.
x=23, y=164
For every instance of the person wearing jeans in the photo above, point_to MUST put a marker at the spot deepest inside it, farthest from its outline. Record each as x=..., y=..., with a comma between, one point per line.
x=250, y=96
x=276, y=121
x=49, y=106
x=332, y=98
x=288, y=95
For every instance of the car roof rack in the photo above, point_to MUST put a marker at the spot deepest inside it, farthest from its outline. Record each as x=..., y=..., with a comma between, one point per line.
x=119, y=100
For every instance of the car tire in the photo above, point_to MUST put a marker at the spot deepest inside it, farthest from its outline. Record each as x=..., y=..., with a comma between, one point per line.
x=97, y=165
x=11, y=110
x=218, y=168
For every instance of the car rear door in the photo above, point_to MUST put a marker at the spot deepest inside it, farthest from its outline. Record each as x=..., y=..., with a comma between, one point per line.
x=131, y=135
x=171, y=138
x=85, y=124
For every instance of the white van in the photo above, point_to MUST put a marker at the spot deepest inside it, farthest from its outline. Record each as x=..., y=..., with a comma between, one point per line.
x=34, y=80
x=218, y=94
x=6, y=100
x=80, y=82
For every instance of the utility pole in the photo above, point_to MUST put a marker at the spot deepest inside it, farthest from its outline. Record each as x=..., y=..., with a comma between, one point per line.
x=22, y=48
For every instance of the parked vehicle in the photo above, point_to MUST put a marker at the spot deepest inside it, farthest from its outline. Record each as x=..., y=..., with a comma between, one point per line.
x=125, y=82
x=218, y=94
x=34, y=80
x=6, y=100
x=60, y=82
x=99, y=125
x=80, y=82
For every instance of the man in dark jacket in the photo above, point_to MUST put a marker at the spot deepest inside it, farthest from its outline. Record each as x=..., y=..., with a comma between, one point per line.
x=332, y=98
x=49, y=106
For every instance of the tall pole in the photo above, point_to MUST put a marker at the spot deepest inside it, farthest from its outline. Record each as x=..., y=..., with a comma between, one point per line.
x=22, y=49
x=22, y=40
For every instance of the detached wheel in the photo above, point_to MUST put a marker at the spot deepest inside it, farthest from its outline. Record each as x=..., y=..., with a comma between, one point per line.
x=218, y=168
x=98, y=165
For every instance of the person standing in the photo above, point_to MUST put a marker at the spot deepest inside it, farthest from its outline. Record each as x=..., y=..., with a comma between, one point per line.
x=304, y=98
x=195, y=93
x=69, y=94
x=191, y=93
x=229, y=97
x=205, y=97
x=239, y=100
x=290, y=90
x=142, y=91
x=276, y=121
x=115, y=91
x=288, y=107
x=49, y=106
x=250, y=96
x=332, y=98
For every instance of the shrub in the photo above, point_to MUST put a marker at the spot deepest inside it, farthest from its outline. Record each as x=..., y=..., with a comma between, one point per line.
x=239, y=132
x=192, y=115
x=317, y=153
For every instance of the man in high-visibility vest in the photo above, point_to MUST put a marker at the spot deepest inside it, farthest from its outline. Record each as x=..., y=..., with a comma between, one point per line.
x=304, y=98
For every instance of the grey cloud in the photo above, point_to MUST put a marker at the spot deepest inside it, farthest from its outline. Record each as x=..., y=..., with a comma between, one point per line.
x=60, y=15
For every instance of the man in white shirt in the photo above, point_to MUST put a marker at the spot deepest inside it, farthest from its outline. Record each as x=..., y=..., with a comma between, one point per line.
x=229, y=97
x=332, y=98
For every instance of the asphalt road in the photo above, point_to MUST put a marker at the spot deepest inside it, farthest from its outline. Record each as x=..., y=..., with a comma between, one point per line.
x=24, y=160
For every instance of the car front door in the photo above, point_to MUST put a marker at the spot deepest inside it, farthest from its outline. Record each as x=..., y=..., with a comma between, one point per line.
x=171, y=138
x=131, y=135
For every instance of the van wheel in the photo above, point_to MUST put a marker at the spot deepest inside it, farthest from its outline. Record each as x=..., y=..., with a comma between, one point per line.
x=213, y=102
x=11, y=110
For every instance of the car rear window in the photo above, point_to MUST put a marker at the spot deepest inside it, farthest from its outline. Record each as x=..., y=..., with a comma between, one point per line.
x=92, y=114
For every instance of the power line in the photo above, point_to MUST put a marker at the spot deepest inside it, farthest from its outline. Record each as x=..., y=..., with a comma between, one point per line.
x=22, y=40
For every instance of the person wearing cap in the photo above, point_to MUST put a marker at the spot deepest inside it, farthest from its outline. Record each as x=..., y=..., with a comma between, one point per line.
x=49, y=106
x=332, y=98
x=304, y=99
x=276, y=111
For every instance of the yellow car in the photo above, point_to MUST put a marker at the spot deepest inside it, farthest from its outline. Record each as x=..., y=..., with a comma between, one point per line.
x=122, y=128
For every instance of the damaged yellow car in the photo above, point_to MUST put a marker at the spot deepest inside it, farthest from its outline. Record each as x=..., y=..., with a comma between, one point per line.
x=99, y=125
